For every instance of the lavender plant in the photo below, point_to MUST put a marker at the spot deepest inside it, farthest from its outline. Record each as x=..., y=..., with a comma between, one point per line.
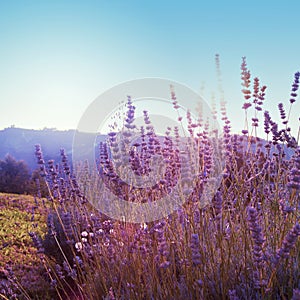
x=244, y=245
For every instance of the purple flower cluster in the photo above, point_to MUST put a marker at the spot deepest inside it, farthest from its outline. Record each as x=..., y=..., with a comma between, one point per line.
x=294, y=176
x=229, y=248
x=257, y=235
x=295, y=87
x=258, y=94
x=162, y=257
x=195, y=249
x=245, y=76
x=288, y=242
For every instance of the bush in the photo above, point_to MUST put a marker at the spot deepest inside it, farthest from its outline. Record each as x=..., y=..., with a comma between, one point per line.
x=14, y=176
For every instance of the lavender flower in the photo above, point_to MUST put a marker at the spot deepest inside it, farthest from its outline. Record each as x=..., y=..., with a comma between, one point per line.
x=281, y=111
x=130, y=114
x=40, y=160
x=295, y=87
x=59, y=271
x=245, y=76
x=296, y=294
x=217, y=202
x=37, y=242
x=288, y=243
x=294, y=176
x=257, y=235
x=255, y=122
x=267, y=122
x=67, y=223
x=65, y=163
x=232, y=295
x=195, y=248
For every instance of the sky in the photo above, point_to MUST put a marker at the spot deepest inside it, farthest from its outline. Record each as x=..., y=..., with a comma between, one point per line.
x=56, y=57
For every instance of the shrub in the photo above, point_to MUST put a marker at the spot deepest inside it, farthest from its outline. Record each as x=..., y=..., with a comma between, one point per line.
x=14, y=176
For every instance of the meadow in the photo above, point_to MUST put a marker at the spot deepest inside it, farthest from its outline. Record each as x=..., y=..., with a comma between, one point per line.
x=244, y=244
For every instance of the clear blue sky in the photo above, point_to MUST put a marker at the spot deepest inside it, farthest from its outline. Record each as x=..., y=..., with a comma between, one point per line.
x=58, y=56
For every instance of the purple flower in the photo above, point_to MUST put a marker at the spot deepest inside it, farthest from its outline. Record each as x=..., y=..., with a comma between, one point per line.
x=257, y=234
x=37, y=242
x=67, y=223
x=65, y=163
x=282, y=111
x=217, y=203
x=294, y=175
x=296, y=294
x=288, y=243
x=246, y=105
x=40, y=160
x=232, y=295
x=267, y=122
x=295, y=87
x=195, y=249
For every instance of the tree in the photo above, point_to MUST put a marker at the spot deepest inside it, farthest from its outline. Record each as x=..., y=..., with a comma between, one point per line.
x=14, y=175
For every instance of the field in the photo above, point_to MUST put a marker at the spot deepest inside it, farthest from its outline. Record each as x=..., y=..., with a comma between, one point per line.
x=18, y=253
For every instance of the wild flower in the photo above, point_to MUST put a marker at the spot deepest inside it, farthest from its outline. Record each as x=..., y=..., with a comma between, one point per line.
x=232, y=295
x=217, y=204
x=195, y=249
x=295, y=87
x=245, y=76
x=288, y=242
x=257, y=234
x=37, y=242
x=282, y=112
x=259, y=240
x=267, y=122
x=294, y=175
x=296, y=294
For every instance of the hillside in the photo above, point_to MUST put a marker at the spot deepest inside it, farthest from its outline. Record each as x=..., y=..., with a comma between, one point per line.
x=19, y=142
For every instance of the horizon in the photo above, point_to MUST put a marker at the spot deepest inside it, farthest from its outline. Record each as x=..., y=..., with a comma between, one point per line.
x=98, y=134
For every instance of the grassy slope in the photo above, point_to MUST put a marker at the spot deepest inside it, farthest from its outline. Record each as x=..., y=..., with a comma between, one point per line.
x=16, y=247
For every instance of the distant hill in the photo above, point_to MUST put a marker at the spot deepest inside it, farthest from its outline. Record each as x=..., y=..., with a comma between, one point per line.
x=20, y=143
